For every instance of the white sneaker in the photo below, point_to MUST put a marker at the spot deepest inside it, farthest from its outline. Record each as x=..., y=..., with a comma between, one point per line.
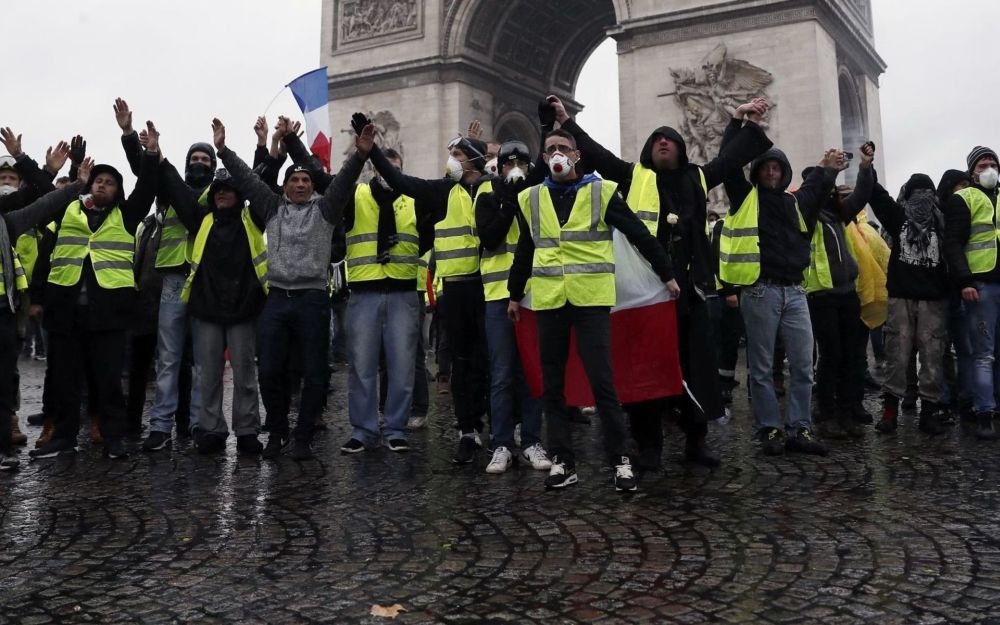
x=416, y=423
x=536, y=456
x=624, y=478
x=502, y=459
x=588, y=411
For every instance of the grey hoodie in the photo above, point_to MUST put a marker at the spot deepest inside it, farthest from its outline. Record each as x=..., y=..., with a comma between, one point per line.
x=299, y=236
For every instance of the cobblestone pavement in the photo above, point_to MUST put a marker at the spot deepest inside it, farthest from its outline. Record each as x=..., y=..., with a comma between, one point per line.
x=888, y=530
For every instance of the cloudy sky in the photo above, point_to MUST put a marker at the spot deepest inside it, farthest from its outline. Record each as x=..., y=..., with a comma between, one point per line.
x=182, y=62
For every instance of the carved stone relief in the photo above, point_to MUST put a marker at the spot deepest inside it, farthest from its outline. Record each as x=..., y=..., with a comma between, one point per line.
x=387, y=137
x=360, y=20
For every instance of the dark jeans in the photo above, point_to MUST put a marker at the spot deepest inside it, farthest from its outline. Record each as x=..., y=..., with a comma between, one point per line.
x=300, y=318
x=102, y=355
x=465, y=324
x=8, y=376
x=141, y=358
x=835, y=322
x=439, y=339
x=593, y=342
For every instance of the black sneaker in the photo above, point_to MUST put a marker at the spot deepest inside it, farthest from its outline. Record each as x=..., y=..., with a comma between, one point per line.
x=156, y=441
x=398, y=445
x=301, y=450
x=248, y=445
x=9, y=461
x=624, y=478
x=985, y=431
x=211, y=443
x=352, y=446
x=274, y=447
x=114, y=448
x=196, y=434
x=468, y=445
x=53, y=448
x=929, y=421
x=804, y=442
x=772, y=441
x=561, y=475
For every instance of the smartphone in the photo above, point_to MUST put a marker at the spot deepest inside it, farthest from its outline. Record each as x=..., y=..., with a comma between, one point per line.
x=849, y=155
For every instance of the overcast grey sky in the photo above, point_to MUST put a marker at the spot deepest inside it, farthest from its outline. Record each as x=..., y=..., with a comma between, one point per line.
x=182, y=62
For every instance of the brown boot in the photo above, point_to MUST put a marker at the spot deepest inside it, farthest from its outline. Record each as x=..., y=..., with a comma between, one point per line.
x=95, y=430
x=17, y=437
x=48, y=428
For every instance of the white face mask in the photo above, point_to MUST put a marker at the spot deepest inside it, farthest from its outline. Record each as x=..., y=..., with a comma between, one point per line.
x=988, y=178
x=514, y=175
x=491, y=167
x=454, y=169
x=561, y=166
x=7, y=190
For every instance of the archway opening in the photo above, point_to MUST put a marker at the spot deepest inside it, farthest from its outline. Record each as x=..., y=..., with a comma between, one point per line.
x=597, y=90
x=852, y=123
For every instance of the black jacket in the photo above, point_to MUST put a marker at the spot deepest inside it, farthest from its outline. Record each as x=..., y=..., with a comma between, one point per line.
x=107, y=309
x=784, y=248
x=832, y=217
x=680, y=193
x=35, y=182
x=958, y=223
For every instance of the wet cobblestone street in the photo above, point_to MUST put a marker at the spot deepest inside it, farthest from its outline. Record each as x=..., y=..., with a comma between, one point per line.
x=887, y=530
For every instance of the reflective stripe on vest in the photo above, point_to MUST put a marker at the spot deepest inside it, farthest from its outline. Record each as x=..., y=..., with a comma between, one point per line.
x=20, y=279
x=644, y=197
x=258, y=251
x=739, y=245
x=496, y=263
x=575, y=262
x=456, y=242
x=362, y=240
x=981, y=248
x=818, y=276
x=422, y=267
x=111, y=250
x=176, y=243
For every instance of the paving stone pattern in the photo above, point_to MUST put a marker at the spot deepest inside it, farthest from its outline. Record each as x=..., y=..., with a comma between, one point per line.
x=888, y=530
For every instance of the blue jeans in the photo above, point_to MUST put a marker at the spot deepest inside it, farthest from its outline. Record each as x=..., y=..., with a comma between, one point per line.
x=172, y=329
x=377, y=321
x=982, y=318
x=507, y=383
x=301, y=316
x=770, y=310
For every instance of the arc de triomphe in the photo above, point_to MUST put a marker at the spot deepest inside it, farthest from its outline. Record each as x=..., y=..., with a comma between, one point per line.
x=425, y=68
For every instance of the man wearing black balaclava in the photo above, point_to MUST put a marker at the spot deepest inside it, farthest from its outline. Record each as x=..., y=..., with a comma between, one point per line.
x=670, y=195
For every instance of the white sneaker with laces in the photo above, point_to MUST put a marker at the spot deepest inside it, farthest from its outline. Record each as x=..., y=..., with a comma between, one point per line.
x=624, y=478
x=502, y=459
x=536, y=456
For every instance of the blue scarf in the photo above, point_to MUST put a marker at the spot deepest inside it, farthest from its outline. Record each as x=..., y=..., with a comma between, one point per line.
x=563, y=189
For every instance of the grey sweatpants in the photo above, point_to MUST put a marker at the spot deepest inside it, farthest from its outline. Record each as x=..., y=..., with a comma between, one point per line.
x=210, y=343
x=920, y=325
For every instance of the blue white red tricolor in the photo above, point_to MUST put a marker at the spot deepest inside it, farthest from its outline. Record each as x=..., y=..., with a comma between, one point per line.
x=310, y=91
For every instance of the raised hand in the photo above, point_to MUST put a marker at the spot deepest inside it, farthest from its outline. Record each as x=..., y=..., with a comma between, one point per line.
x=153, y=138
x=475, y=129
x=260, y=128
x=867, y=154
x=218, y=135
x=123, y=116
x=365, y=140
x=56, y=157
x=77, y=150
x=296, y=129
x=11, y=141
x=83, y=171
x=560, y=109
x=358, y=122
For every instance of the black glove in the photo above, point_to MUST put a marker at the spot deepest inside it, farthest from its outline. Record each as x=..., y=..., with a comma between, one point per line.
x=546, y=114
x=77, y=150
x=358, y=122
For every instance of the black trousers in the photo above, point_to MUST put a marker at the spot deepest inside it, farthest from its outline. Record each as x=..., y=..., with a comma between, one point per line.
x=141, y=357
x=835, y=321
x=8, y=376
x=465, y=324
x=593, y=342
x=730, y=331
x=103, y=355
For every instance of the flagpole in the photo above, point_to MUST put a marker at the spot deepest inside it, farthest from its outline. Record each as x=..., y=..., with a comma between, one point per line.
x=268, y=107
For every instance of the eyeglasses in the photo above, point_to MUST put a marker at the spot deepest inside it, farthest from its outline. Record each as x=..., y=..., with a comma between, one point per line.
x=559, y=147
x=7, y=162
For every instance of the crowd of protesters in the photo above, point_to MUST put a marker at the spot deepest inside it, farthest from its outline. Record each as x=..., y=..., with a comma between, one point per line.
x=201, y=264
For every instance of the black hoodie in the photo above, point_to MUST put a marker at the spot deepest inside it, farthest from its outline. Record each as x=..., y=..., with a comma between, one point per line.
x=784, y=248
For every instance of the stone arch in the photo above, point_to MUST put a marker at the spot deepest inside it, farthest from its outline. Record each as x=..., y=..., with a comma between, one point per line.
x=516, y=125
x=853, y=126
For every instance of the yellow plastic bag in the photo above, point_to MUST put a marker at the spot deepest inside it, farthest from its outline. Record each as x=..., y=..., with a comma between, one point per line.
x=872, y=255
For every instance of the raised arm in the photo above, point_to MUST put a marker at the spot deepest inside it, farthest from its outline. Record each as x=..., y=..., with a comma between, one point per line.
x=263, y=201
x=45, y=209
x=142, y=196
x=741, y=143
x=289, y=135
x=183, y=198
x=863, y=186
x=130, y=139
x=340, y=192
x=819, y=183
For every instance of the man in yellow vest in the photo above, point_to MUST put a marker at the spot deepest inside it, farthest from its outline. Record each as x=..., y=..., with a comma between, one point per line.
x=383, y=234
x=13, y=281
x=661, y=183
x=765, y=250
x=90, y=298
x=565, y=248
x=971, y=251
x=178, y=396
x=499, y=231
x=449, y=202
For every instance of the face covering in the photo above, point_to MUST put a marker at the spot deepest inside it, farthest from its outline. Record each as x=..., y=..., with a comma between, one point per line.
x=561, y=166
x=515, y=175
x=87, y=201
x=988, y=178
x=454, y=169
x=198, y=175
x=491, y=167
x=7, y=190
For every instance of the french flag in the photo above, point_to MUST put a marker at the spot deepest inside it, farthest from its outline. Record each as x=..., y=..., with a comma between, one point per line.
x=310, y=91
x=644, y=351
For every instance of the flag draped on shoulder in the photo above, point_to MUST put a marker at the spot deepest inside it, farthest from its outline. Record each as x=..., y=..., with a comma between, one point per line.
x=311, y=93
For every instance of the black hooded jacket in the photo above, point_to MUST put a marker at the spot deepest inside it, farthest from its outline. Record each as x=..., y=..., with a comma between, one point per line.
x=958, y=225
x=784, y=248
x=680, y=193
